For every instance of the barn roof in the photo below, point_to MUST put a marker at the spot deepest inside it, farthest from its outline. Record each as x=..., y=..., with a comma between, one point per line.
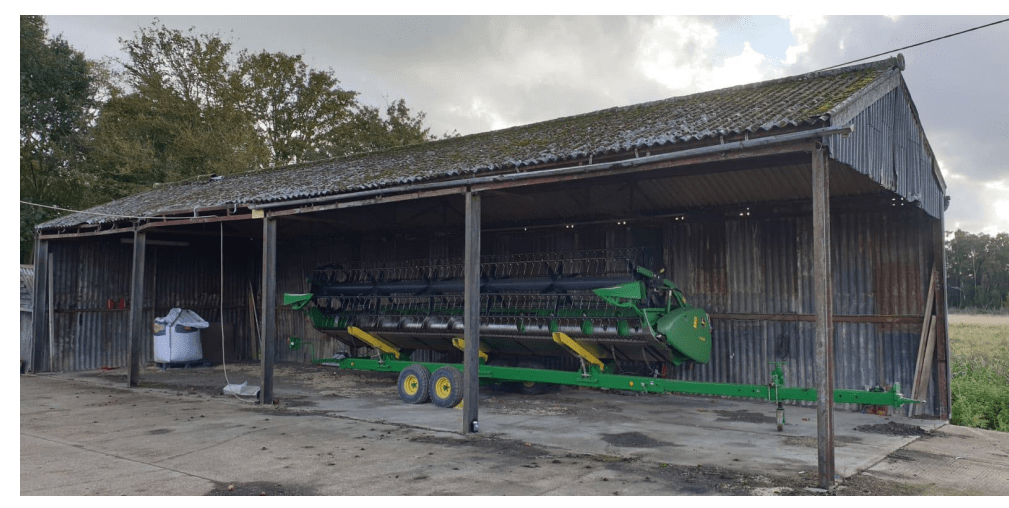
x=797, y=102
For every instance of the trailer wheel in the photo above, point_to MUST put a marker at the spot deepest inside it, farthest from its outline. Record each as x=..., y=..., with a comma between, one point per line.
x=446, y=387
x=532, y=387
x=414, y=383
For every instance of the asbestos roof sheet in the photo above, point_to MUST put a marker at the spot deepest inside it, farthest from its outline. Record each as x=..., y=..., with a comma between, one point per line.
x=788, y=103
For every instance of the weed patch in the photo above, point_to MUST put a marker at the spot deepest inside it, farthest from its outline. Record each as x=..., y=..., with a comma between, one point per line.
x=980, y=376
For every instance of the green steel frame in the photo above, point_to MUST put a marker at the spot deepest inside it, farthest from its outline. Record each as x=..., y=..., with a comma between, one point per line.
x=590, y=376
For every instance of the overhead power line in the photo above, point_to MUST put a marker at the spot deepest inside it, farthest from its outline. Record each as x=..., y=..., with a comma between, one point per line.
x=918, y=44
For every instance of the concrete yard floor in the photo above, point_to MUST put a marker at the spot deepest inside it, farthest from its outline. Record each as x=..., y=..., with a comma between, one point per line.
x=347, y=433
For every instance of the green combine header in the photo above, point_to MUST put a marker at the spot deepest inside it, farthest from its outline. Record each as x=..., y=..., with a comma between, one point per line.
x=607, y=312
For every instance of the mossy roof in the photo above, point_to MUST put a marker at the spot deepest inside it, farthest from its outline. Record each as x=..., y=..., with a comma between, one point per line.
x=805, y=100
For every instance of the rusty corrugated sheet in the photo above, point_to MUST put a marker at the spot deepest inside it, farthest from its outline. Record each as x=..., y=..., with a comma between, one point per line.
x=764, y=267
x=89, y=335
x=86, y=334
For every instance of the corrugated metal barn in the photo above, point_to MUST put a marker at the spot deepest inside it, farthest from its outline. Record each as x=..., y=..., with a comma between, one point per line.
x=27, y=287
x=717, y=187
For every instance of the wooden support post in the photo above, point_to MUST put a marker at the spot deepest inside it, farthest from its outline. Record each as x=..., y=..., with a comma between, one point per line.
x=471, y=315
x=39, y=307
x=926, y=321
x=52, y=314
x=925, y=377
x=268, y=341
x=824, y=352
x=942, y=351
x=137, y=328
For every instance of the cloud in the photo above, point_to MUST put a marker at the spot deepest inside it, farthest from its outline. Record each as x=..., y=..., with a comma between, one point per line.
x=947, y=171
x=674, y=51
x=478, y=110
x=804, y=29
x=998, y=185
x=680, y=54
x=746, y=67
x=1001, y=207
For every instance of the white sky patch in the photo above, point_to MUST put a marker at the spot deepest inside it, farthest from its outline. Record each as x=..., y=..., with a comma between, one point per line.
x=480, y=111
x=1001, y=208
x=948, y=174
x=676, y=53
x=804, y=30
x=998, y=185
x=946, y=170
x=543, y=57
x=737, y=70
x=995, y=205
x=671, y=51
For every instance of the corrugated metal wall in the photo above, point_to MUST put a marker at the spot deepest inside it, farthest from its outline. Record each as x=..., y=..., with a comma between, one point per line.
x=27, y=290
x=879, y=264
x=86, y=334
x=889, y=146
x=86, y=275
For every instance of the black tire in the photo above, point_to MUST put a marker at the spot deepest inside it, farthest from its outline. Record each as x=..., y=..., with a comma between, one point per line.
x=531, y=387
x=414, y=384
x=446, y=387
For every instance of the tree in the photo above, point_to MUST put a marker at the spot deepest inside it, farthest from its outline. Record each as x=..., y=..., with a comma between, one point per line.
x=977, y=270
x=397, y=129
x=173, y=113
x=301, y=114
x=58, y=104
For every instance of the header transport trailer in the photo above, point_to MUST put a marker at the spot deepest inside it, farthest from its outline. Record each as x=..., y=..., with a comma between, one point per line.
x=623, y=323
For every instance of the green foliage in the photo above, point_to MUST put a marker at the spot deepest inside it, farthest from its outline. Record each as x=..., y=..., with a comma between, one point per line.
x=301, y=114
x=397, y=129
x=979, y=402
x=977, y=271
x=980, y=371
x=58, y=101
x=173, y=113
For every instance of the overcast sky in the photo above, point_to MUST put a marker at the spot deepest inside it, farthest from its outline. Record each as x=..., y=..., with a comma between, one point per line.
x=473, y=74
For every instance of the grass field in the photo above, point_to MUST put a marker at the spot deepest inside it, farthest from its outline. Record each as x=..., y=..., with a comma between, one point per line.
x=980, y=369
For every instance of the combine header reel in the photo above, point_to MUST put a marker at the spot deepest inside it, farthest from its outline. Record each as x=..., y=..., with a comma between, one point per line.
x=609, y=306
x=611, y=314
